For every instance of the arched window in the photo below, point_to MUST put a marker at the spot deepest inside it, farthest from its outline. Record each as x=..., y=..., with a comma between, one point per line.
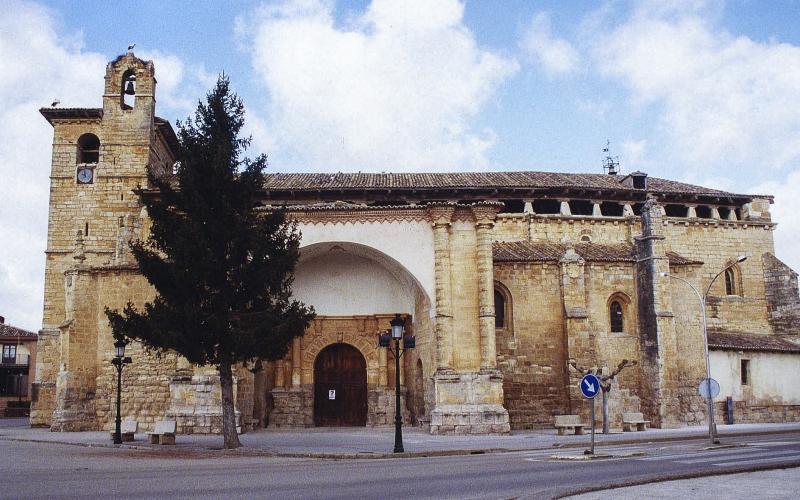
x=499, y=309
x=729, y=282
x=502, y=307
x=128, y=97
x=733, y=281
x=616, y=316
x=88, y=149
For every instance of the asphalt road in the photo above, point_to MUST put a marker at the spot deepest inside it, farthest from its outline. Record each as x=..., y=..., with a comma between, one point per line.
x=36, y=470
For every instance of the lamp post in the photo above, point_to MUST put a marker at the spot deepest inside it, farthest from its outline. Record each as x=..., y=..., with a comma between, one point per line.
x=702, y=299
x=119, y=361
x=384, y=340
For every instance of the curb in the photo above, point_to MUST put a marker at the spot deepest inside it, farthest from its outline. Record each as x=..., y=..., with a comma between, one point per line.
x=245, y=451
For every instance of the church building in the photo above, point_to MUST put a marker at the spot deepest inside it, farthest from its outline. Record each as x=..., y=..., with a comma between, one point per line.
x=503, y=278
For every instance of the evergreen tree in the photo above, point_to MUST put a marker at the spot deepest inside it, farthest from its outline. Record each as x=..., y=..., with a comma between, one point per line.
x=222, y=268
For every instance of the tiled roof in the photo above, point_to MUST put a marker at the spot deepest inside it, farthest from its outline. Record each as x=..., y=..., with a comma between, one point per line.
x=527, y=251
x=75, y=113
x=739, y=341
x=13, y=331
x=474, y=180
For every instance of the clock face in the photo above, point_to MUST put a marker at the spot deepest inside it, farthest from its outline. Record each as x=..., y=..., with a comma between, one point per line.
x=85, y=175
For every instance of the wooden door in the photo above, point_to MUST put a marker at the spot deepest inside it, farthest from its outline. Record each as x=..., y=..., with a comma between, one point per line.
x=340, y=387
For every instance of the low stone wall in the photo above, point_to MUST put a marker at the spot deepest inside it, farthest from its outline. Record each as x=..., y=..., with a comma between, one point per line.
x=743, y=413
x=294, y=408
x=196, y=404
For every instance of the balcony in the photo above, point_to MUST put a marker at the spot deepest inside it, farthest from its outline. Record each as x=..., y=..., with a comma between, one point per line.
x=19, y=360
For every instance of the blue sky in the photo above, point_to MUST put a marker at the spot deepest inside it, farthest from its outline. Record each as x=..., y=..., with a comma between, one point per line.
x=701, y=91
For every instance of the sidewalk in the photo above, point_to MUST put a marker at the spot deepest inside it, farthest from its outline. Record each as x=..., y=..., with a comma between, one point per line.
x=378, y=442
x=780, y=483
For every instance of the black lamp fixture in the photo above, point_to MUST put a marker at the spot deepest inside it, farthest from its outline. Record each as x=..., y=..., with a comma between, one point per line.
x=397, y=333
x=119, y=361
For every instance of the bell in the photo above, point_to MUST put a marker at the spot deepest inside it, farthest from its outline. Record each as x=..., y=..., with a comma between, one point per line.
x=129, y=88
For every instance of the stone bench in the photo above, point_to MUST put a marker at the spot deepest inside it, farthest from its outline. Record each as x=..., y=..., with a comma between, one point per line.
x=127, y=429
x=164, y=433
x=564, y=422
x=634, y=418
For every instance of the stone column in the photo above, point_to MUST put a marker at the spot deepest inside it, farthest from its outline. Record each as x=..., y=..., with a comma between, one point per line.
x=383, y=376
x=280, y=375
x=467, y=401
x=627, y=210
x=691, y=211
x=297, y=362
x=596, y=210
x=660, y=360
x=715, y=212
x=484, y=221
x=581, y=347
x=564, y=209
x=440, y=216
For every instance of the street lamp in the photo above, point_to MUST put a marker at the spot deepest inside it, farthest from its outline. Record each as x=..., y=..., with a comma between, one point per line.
x=384, y=340
x=702, y=299
x=119, y=361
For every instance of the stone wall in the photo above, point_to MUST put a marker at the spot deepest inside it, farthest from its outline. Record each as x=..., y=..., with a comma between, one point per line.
x=782, y=295
x=745, y=413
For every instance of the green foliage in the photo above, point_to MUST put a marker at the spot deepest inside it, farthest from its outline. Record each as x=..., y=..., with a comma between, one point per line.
x=222, y=268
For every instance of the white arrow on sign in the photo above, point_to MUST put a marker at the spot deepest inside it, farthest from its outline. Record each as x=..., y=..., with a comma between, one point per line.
x=590, y=386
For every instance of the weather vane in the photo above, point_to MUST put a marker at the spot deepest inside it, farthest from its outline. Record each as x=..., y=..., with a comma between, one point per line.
x=610, y=163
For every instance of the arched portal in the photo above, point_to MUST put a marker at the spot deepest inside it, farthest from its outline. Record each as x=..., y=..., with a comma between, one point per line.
x=340, y=387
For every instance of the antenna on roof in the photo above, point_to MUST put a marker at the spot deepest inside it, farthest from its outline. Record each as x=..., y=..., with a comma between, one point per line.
x=610, y=163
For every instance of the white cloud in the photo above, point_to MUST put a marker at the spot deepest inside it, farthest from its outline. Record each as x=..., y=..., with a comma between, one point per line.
x=180, y=86
x=784, y=212
x=397, y=87
x=38, y=65
x=634, y=155
x=724, y=100
x=557, y=56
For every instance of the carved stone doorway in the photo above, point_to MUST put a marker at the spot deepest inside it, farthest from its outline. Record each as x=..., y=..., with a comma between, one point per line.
x=340, y=387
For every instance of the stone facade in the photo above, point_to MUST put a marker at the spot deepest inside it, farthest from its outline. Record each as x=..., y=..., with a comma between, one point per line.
x=564, y=252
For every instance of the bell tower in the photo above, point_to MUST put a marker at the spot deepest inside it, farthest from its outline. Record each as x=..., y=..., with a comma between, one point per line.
x=100, y=157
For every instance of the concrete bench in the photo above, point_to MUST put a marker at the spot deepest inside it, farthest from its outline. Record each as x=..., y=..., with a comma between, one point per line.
x=127, y=429
x=164, y=433
x=634, y=418
x=564, y=422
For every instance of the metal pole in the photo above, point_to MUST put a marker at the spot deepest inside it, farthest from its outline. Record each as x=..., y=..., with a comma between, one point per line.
x=398, y=420
x=709, y=399
x=118, y=428
x=593, y=421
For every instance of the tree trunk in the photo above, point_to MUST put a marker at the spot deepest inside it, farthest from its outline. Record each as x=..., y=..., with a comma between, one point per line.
x=229, y=433
x=605, y=411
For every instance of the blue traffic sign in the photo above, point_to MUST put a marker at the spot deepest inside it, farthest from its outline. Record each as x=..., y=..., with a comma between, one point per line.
x=590, y=386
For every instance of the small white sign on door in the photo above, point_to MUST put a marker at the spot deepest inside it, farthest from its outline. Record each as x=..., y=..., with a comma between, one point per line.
x=332, y=394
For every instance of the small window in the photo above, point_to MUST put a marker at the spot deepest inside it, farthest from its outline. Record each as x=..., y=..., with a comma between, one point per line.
x=673, y=210
x=615, y=312
x=581, y=207
x=513, y=206
x=499, y=310
x=745, y=372
x=730, y=289
x=611, y=209
x=546, y=206
x=88, y=149
x=9, y=353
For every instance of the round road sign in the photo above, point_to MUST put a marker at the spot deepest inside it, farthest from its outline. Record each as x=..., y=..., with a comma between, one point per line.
x=708, y=385
x=590, y=386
